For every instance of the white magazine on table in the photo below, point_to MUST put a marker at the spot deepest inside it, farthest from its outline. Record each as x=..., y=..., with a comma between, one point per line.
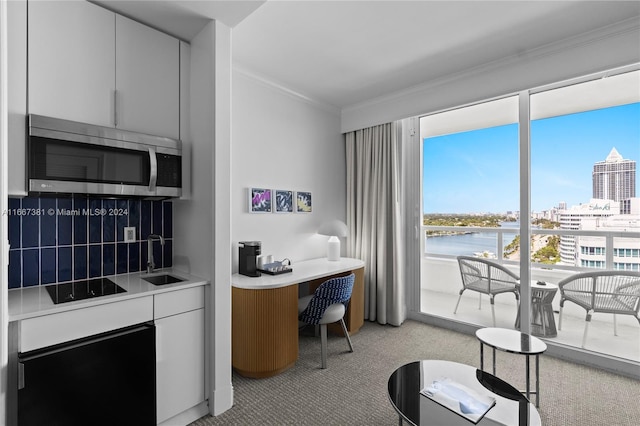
x=460, y=399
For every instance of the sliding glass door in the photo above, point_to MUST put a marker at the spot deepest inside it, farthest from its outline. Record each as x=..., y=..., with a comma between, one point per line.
x=470, y=197
x=585, y=212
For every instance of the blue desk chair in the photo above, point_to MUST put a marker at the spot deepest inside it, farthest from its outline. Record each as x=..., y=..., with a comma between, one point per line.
x=325, y=306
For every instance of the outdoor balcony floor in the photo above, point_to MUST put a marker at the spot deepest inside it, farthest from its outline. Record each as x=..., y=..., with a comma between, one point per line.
x=600, y=339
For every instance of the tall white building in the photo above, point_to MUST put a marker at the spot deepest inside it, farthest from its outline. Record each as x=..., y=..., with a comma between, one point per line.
x=614, y=178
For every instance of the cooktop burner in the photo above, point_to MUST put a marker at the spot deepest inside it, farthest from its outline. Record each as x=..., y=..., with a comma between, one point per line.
x=79, y=290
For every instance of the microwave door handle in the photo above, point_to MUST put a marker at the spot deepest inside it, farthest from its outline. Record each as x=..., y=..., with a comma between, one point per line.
x=153, y=170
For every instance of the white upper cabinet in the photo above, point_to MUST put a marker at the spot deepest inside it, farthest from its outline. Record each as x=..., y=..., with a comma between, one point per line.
x=71, y=61
x=147, y=79
x=16, y=95
x=91, y=65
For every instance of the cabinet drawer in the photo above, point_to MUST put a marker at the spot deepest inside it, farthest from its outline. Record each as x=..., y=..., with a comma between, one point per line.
x=52, y=329
x=175, y=302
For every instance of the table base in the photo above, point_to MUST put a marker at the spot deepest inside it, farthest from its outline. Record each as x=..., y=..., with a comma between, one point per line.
x=527, y=392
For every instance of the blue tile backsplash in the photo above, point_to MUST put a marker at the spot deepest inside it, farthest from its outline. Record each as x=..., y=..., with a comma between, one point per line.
x=55, y=240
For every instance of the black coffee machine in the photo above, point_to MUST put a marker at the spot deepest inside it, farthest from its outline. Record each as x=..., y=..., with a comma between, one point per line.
x=248, y=258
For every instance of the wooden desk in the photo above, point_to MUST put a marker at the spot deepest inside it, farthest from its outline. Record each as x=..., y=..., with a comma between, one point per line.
x=264, y=314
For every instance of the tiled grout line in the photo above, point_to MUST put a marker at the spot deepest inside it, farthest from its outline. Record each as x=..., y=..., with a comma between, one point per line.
x=75, y=248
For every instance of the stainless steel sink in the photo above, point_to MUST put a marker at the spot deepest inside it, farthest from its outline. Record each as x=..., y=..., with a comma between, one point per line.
x=162, y=279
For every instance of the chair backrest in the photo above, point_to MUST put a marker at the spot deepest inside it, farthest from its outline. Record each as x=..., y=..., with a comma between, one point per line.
x=334, y=290
x=477, y=268
x=601, y=290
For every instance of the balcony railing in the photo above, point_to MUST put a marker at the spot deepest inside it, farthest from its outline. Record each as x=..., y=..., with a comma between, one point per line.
x=500, y=232
x=440, y=285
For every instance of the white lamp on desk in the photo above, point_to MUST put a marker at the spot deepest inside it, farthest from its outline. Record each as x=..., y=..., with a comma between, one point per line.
x=335, y=229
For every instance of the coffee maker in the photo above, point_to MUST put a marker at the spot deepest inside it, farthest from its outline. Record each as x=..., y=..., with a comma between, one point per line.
x=248, y=253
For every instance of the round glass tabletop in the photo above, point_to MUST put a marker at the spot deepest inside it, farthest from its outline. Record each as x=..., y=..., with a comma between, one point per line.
x=511, y=341
x=404, y=386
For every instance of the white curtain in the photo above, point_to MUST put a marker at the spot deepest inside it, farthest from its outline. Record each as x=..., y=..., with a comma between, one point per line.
x=374, y=218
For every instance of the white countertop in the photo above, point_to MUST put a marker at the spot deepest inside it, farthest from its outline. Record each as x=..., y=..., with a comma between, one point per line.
x=303, y=271
x=29, y=302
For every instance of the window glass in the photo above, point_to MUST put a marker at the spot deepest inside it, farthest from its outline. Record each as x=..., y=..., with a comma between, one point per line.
x=584, y=153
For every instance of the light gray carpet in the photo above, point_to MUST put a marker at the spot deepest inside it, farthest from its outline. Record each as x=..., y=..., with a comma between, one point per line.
x=353, y=389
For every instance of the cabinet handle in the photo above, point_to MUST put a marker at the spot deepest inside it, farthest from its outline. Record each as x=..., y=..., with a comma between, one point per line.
x=20, y=376
x=115, y=108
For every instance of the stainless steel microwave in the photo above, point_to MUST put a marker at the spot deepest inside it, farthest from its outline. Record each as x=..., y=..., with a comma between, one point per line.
x=67, y=157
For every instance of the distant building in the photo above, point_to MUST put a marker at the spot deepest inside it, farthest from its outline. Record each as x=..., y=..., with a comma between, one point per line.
x=630, y=206
x=614, y=178
x=592, y=252
x=572, y=219
x=513, y=214
x=601, y=215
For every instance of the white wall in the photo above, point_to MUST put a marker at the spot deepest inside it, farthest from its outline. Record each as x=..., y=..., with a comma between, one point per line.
x=596, y=51
x=281, y=141
x=192, y=221
x=201, y=222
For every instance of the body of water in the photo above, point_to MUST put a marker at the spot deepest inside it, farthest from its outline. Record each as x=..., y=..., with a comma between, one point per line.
x=469, y=244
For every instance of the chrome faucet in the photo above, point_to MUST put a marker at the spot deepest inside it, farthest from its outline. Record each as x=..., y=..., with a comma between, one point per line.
x=150, y=264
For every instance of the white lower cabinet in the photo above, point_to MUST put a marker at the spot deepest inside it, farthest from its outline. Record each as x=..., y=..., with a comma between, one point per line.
x=180, y=353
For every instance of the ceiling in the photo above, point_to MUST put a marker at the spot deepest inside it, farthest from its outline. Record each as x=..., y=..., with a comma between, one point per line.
x=183, y=19
x=345, y=52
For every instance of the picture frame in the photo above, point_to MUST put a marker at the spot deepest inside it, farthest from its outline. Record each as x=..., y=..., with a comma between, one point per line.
x=260, y=200
x=283, y=201
x=303, y=202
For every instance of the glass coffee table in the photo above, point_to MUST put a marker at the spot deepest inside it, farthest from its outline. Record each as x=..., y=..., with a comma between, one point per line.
x=517, y=343
x=405, y=384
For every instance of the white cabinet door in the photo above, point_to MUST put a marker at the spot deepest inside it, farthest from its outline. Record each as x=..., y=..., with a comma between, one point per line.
x=17, y=95
x=71, y=61
x=180, y=363
x=147, y=79
x=185, y=114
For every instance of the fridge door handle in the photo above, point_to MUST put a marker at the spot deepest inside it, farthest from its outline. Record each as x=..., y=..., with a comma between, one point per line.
x=20, y=376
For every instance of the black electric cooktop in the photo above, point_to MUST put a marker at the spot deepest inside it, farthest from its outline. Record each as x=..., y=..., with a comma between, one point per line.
x=80, y=290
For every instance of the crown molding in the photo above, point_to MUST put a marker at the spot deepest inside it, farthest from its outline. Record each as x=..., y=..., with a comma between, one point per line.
x=261, y=79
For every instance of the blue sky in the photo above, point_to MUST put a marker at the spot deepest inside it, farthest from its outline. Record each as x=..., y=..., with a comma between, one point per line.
x=477, y=171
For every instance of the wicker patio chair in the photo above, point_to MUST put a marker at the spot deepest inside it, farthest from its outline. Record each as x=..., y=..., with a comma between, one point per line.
x=613, y=292
x=486, y=277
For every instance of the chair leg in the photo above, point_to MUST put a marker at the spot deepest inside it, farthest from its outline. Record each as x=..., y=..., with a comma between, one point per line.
x=560, y=318
x=323, y=344
x=615, y=325
x=479, y=300
x=459, y=297
x=586, y=328
x=493, y=311
x=346, y=334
